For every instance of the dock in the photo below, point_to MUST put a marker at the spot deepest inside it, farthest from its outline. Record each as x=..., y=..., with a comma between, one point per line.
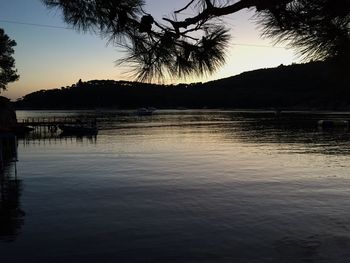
x=49, y=122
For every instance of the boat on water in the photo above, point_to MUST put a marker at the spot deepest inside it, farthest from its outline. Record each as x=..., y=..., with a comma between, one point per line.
x=145, y=111
x=79, y=129
x=17, y=129
x=333, y=123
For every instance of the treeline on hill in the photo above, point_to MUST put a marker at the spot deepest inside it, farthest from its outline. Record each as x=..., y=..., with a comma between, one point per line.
x=316, y=85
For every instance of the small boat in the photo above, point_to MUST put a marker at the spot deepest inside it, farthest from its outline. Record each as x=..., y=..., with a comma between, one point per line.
x=145, y=111
x=333, y=123
x=78, y=129
x=17, y=129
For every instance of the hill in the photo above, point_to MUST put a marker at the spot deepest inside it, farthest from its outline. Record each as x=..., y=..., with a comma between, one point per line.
x=316, y=85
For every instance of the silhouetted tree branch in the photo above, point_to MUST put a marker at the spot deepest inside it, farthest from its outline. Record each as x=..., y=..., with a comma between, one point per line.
x=197, y=45
x=318, y=29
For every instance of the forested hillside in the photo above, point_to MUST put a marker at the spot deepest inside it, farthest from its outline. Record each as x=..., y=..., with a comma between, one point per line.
x=315, y=85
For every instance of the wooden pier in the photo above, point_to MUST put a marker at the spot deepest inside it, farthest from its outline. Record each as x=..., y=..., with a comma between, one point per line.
x=52, y=124
x=49, y=122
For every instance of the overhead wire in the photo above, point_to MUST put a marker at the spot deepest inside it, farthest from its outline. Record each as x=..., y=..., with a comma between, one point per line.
x=67, y=28
x=33, y=24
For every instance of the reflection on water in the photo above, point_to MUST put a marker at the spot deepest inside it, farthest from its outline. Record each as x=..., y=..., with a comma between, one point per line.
x=45, y=136
x=297, y=129
x=184, y=186
x=11, y=215
x=298, y=133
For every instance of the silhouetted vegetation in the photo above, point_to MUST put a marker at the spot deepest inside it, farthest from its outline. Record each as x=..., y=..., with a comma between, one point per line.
x=316, y=85
x=194, y=41
x=8, y=73
x=7, y=114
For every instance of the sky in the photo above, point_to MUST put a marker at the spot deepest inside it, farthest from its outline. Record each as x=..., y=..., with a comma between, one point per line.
x=54, y=57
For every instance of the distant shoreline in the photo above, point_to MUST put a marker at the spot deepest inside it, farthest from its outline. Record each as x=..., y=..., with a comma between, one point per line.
x=287, y=111
x=313, y=87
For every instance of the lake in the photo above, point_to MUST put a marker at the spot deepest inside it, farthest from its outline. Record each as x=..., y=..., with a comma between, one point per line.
x=180, y=186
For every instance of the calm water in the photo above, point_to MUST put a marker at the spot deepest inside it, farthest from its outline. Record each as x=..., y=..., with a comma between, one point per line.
x=180, y=186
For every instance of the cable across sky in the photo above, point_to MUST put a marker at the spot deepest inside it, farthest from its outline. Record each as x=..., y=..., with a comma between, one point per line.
x=67, y=28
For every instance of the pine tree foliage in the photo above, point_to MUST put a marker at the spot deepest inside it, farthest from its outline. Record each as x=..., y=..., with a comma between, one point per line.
x=318, y=29
x=197, y=45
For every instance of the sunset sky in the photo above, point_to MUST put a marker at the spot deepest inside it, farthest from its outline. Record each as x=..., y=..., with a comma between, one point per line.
x=52, y=57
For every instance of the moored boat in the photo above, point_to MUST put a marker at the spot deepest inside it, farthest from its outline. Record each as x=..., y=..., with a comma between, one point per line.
x=145, y=111
x=333, y=123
